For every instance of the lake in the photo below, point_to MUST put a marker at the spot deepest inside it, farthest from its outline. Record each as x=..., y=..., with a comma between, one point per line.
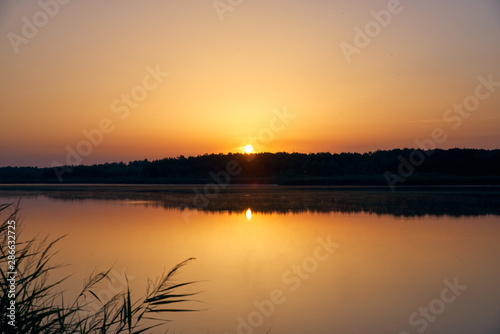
x=285, y=259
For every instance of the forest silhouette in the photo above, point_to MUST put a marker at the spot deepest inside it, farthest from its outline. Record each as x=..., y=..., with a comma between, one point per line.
x=408, y=166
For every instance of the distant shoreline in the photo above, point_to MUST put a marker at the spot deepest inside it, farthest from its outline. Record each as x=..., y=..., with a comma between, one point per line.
x=339, y=181
x=3, y=186
x=404, y=201
x=394, y=168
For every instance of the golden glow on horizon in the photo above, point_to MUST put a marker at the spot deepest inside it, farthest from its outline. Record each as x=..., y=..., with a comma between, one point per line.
x=248, y=214
x=166, y=97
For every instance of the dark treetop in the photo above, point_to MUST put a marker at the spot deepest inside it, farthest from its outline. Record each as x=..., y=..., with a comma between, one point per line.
x=400, y=166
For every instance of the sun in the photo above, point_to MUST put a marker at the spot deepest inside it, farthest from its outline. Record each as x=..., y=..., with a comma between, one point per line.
x=248, y=149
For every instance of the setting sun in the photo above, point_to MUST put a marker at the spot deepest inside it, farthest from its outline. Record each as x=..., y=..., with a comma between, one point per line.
x=248, y=149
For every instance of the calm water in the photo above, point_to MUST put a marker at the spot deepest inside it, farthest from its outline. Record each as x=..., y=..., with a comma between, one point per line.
x=298, y=271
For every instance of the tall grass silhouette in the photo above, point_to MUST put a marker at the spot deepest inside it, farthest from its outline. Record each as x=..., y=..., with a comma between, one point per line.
x=40, y=306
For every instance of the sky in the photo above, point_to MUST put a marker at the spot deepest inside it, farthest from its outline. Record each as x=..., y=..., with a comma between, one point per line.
x=103, y=81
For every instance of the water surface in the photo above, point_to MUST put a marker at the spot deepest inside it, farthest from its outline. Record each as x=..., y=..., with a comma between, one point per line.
x=337, y=261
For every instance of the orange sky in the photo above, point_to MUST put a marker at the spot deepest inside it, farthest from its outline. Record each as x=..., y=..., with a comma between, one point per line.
x=66, y=67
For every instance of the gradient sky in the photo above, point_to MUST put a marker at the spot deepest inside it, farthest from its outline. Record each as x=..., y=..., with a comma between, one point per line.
x=227, y=76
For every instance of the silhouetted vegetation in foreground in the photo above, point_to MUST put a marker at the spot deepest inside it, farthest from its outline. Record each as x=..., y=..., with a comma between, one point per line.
x=31, y=303
x=410, y=167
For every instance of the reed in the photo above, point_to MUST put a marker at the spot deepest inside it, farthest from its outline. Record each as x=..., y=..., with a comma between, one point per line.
x=40, y=306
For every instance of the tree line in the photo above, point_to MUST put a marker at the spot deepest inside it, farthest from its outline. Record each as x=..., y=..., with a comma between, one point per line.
x=448, y=166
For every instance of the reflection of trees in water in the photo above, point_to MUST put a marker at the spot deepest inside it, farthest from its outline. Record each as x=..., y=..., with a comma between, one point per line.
x=404, y=202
